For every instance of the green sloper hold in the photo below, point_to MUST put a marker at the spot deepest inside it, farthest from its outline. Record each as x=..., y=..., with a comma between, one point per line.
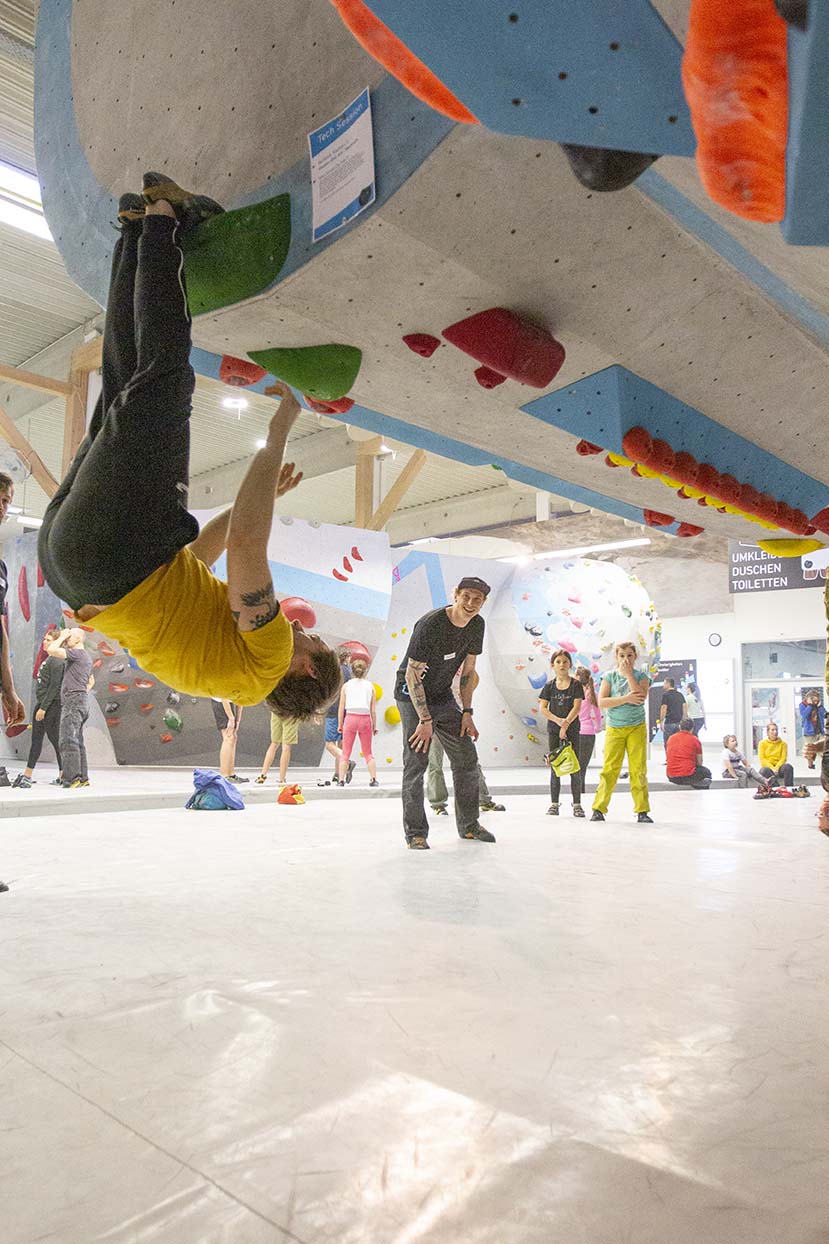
x=323, y=372
x=236, y=255
x=173, y=720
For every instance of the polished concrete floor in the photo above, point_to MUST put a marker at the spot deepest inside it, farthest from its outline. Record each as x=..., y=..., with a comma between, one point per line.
x=279, y=1025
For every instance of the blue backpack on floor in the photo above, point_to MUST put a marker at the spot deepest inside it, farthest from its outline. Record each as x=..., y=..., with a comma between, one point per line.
x=214, y=793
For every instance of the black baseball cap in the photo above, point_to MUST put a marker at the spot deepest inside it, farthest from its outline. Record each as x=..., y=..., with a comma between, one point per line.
x=474, y=584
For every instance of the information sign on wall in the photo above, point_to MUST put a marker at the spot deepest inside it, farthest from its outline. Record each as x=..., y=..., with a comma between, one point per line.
x=750, y=569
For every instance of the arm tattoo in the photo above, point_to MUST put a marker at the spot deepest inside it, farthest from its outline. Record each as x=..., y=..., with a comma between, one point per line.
x=264, y=599
x=414, y=681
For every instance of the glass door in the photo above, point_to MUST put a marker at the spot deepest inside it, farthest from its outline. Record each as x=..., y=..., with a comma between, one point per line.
x=771, y=701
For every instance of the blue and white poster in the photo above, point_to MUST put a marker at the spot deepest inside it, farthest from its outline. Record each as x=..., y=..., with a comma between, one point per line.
x=342, y=167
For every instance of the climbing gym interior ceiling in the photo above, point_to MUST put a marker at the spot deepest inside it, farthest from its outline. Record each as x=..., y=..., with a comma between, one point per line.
x=700, y=331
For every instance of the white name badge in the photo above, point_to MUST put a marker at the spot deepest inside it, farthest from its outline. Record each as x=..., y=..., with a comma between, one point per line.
x=449, y=656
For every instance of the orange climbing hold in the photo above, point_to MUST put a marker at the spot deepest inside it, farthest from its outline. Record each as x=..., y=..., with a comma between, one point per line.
x=402, y=64
x=654, y=519
x=735, y=80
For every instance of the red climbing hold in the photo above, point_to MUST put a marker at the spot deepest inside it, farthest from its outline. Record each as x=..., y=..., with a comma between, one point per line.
x=662, y=458
x=821, y=520
x=423, y=344
x=487, y=378
x=337, y=575
x=356, y=650
x=297, y=609
x=609, y=462
x=165, y=738
x=708, y=479
x=688, y=529
x=510, y=345
x=355, y=553
x=684, y=494
x=41, y=582
x=336, y=407
x=654, y=519
x=239, y=372
x=685, y=468
x=586, y=448
x=23, y=593
x=347, y=566
x=637, y=445
x=634, y=470
x=729, y=489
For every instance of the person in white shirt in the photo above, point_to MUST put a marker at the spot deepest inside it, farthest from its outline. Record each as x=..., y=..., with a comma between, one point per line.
x=357, y=717
x=695, y=706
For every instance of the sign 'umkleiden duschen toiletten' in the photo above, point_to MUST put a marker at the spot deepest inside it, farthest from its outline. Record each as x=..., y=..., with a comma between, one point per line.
x=750, y=569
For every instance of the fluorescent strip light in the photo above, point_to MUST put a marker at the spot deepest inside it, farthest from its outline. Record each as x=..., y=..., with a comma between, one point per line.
x=20, y=202
x=582, y=552
x=15, y=509
x=234, y=403
x=26, y=520
x=25, y=218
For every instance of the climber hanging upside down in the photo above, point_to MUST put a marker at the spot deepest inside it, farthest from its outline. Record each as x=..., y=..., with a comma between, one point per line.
x=118, y=543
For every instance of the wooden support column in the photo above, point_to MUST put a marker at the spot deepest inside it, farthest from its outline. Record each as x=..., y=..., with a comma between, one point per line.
x=86, y=359
x=364, y=481
x=40, y=472
x=397, y=492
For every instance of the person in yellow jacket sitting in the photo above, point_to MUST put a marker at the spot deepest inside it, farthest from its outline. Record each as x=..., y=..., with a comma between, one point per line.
x=772, y=754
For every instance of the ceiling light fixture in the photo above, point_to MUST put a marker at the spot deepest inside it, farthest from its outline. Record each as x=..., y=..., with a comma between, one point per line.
x=261, y=444
x=581, y=552
x=234, y=403
x=27, y=520
x=20, y=203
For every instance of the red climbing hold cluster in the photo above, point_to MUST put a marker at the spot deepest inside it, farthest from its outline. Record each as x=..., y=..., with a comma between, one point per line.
x=586, y=448
x=508, y=344
x=688, y=529
x=658, y=456
x=239, y=372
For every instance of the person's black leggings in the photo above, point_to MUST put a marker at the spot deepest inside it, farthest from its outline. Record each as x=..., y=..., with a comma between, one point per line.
x=573, y=737
x=121, y=511
x=585, y=753
x=48, y=726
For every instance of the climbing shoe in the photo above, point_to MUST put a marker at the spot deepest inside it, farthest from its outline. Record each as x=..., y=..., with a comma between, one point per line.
x=130, y=207
x=578, y=810
x=642, y=818
x=22, y=782
x=374, y=782
x=191, y=209
x=597, y=816
x=261, y=780
x=417, y=844
x=552, y=810
x=478, y=834
x=439, y=809
x=491, y=806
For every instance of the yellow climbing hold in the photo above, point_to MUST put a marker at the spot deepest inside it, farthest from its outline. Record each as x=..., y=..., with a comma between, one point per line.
x=789, y=548
x=392, y=715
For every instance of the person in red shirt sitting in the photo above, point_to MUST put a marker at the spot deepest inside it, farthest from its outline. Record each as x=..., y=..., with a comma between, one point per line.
x=684, y=752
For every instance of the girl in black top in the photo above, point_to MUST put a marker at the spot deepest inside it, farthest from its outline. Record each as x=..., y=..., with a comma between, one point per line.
x=560, y=701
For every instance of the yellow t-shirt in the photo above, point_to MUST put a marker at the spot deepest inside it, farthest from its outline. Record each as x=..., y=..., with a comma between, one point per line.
x=772, y=754
x=178, y=625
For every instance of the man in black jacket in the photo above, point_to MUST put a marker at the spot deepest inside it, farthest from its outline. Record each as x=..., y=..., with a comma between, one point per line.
x=46, y=718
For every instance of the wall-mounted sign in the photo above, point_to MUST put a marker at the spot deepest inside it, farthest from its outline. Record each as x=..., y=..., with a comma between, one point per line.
x=750, y=569
x=342, y=167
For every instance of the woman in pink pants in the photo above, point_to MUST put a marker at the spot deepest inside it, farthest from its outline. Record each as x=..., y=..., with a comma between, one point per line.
x=357, y=717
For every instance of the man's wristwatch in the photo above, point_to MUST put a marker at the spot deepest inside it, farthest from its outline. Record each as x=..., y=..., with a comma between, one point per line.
x=467, y=710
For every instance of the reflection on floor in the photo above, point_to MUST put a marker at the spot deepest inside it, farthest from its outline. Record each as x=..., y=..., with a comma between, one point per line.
x=279, y=1025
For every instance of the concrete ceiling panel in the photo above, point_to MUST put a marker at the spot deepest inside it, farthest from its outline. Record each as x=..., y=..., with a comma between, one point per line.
x=253, y=80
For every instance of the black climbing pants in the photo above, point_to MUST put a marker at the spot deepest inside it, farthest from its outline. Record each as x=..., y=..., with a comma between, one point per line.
x=48, y=726
x=463, y=758
x=121, y=512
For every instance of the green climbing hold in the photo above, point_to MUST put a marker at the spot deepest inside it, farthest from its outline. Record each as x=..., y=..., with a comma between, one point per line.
x=173, y=720
x=237, y=254
x=322, y=372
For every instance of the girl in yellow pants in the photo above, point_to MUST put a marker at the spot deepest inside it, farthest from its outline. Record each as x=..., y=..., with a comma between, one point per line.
x=623, y=694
